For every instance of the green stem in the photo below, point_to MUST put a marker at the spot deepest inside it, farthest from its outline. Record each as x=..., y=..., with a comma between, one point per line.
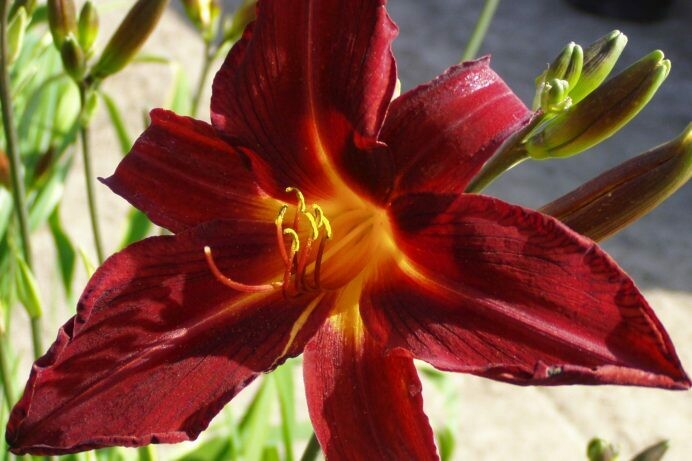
x=312, y=450
x=19, y=194
x=18, y=190
x=510, y=154
x=209, y=54
x=481, y=28
x=147, y=453
x=5, y=376
x=89, y=179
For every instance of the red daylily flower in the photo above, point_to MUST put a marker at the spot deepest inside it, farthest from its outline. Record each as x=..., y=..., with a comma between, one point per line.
x=393, y=263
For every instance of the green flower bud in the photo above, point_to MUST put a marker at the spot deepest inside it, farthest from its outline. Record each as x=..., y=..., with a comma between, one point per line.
x=602, y=113
x=28, y=5
x=653, y=453
x=601, y=450
x=61, y=18
x=615, y=199
x=554, y=96
x=243, y=16
x=200, y=12
x=567, y=66
x=15, y=35
x=73, y=59
x=599, y=59
x=129, y=37
x=88, y=27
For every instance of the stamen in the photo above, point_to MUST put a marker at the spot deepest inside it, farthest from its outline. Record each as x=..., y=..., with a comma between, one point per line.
x=313, y=224
x=232, y=283
x=318, y=262
x=280, y=235
x=301, y=198
x=295, y=245
x=322, y=220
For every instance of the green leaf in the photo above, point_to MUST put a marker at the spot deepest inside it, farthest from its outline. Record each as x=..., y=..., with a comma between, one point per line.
x=271, y=453
x=118, y=122
x=27, y=288
x=445, y=443
x=67, y=255
x=254, y=425
x=47, y=195
x=215, y=449
x=147, y=453
x=653, y=453
x=283, y=379
x=87, y=262
x=138, y=226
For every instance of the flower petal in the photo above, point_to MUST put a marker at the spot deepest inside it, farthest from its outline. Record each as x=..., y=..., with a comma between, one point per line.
x=181, y=174
x=158, y=345
x=364, y=404
x=302, y=104
x=442, y=132
x=496, y=290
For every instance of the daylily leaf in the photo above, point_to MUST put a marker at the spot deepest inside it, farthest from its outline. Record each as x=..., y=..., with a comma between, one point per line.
x=67, y=255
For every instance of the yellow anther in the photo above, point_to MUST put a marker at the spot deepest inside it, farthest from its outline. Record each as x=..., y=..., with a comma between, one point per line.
x=280, y=217
x=322, y=220
x=295, y=245
x=301, y=198
x=313, y=224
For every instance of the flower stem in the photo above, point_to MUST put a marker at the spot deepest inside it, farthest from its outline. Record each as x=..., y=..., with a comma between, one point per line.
x=312, y=450
x=481, y=28
x=7, y=387
x=12, y=147
x=209, y=54
x=89, y=179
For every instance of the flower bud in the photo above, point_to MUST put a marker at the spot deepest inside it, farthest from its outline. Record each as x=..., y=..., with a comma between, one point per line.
x=601, y=450
x=73, y=59
x=15, y=35
x=4, y=170
x=129, y=37
x=567, y=66
x=602, y=113
x=200, y=12
x=88, y=27
x=28, y=5
x=615, y=199
x=599, y=59
x=554, y=96
x=244, y=15
x=61, y=18
x=653, y=453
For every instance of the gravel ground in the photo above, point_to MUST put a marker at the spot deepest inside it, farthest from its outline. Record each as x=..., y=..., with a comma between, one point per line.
x=495, y=421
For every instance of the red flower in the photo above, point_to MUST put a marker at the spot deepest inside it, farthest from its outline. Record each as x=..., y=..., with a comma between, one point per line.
x=165, y=336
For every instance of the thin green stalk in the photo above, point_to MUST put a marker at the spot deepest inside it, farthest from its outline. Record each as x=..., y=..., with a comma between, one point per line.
x=147, y=453
x=7, y=387
x=209, y=55
x=481, y=28
x=89, y=179
x=18, y=191
x=312, y=451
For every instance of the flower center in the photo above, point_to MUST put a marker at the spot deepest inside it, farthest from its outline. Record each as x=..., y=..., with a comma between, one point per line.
x=309, y=263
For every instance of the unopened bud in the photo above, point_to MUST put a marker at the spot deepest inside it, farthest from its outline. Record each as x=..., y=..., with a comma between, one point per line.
x=554, y=96
x=653, y=453
x=88, y=27
x=244, y=15
x=615, y=199
x=4, y=170
x=602, y=113
x=73, y=59
x=28, y=5
x=15, y=35
x=601, y=450
x=599, y=59
x=567, y=66
x=133, y=31
x=200, y=12
x=61, y=18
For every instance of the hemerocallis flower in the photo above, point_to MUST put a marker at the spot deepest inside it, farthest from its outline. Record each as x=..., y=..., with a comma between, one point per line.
x=318, y=215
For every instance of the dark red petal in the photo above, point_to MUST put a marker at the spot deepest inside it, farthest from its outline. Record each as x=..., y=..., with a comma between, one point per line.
x=306, y=90
x=442, y=132
x=496, y=290
x=158, y=345
x=181, y=174
x=364, y=404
